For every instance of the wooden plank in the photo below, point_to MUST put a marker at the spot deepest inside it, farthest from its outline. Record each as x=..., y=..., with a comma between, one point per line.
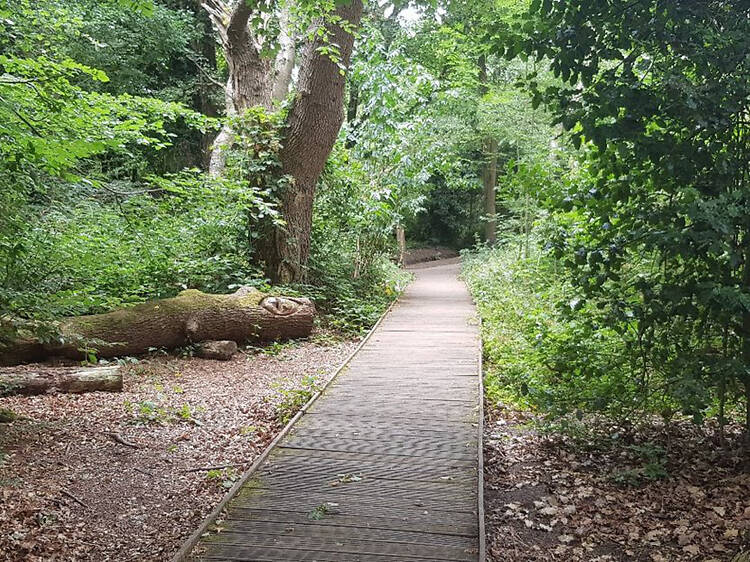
x=417, y=524
x=376, y=505
x=346, y=484
x=313, y=529
x=406, y=447
x=244, y=545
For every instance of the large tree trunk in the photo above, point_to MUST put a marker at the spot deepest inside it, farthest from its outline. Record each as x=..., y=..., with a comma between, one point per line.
x=105, y=379
x=312, y=127
x=190, y=317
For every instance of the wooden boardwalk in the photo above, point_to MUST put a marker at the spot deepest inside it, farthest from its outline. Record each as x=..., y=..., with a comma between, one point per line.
x=385, y=465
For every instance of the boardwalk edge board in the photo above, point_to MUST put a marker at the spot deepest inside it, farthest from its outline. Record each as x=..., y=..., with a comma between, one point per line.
x=194, y=539
x=480, y=445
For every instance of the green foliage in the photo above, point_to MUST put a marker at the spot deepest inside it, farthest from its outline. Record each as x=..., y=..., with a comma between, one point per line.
x=291, y=400
x=319, y=512
x=96, y=250
x=657, y=235
x=223, y=477
x=652, y=465
x=352, y=277
x=7, y=416
x=148, y=412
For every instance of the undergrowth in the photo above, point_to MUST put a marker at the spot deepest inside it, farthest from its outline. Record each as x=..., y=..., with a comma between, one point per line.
x=561, y=359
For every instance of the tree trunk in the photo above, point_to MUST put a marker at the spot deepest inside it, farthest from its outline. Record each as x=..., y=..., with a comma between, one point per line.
x=489, y=166
x=251, y=74
x=248, y=85
x=104, y=379
x=489, y=182
x=312, y=127
x=190, y=317
x=285, y=59
x=401, y=239
x=745, y=331
x=351, y=114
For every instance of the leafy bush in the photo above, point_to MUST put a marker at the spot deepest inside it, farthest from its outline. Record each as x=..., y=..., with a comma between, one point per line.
x=91, y=251
x=549, y=350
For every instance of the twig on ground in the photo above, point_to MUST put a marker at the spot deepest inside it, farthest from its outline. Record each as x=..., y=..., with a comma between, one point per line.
x=121, y=440
x=74, y=498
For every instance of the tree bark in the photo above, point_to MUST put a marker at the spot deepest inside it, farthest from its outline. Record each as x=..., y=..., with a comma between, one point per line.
x=489, y=183
x=489, y=166
x=190, y=317
x=745, y=332
x=312, y=127
x=284, y=64
x=401, y=240
x=250, y=78
x=105, y=379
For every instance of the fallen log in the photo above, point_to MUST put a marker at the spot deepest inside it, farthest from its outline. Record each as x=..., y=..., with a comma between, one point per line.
x=104, y=379
x=190, y=317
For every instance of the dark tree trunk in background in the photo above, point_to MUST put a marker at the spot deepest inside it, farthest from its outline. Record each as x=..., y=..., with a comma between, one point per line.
x=351, y=114
x=312, y=127
x=207, y=87
x=745, y=331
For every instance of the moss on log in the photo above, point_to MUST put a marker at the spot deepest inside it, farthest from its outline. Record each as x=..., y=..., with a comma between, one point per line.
x=190, y=317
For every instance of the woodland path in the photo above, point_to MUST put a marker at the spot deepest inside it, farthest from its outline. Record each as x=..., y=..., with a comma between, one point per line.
x=385, y=465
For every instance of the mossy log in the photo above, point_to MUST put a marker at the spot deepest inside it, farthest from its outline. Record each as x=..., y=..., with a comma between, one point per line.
x=190, y=317
x=105, y=379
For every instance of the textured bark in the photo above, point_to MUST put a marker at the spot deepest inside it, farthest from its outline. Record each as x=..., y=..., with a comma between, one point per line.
x=285, y=59
x=312, y=127
x=250, y=78
x=489, y=166
x=401, y=240
x=190, y=317
x=106, y=379
x=489, y=182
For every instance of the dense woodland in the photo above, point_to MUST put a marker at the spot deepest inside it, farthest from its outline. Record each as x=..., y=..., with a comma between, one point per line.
x=590, y=159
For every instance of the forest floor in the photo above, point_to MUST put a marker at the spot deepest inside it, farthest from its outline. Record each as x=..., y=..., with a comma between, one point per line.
x=70, y=491
x=668, y=494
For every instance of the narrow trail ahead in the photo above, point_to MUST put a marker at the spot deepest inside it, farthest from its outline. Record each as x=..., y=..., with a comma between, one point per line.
x=385, y=465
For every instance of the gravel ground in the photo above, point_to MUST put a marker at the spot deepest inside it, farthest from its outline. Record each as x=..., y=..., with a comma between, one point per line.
x=124, y=476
